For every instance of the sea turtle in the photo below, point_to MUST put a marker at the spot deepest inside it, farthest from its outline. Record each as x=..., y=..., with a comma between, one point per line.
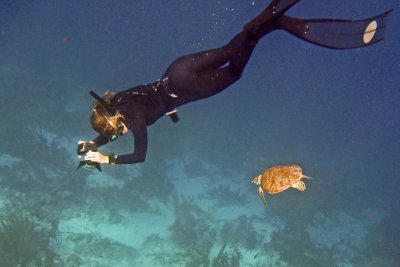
x=278, y=179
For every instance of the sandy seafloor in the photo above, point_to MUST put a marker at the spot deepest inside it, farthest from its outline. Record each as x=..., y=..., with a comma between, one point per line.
x=334, y=113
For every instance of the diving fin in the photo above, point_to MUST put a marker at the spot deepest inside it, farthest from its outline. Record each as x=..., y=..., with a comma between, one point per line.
x=262, y=24
x=337, y=33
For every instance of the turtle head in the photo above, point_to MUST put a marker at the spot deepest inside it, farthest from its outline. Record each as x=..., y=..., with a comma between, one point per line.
x=257, y=180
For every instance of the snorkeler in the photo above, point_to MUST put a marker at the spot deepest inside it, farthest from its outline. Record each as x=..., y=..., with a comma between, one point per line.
x=201, y=75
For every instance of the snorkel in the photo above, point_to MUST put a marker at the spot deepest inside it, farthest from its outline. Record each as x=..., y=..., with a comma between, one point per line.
x=101, y=100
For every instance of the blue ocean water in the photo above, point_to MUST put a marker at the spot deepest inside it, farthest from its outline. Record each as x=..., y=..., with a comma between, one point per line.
x=192, y=203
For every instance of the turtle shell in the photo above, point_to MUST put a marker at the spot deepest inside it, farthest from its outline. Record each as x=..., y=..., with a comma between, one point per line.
x=280, y=178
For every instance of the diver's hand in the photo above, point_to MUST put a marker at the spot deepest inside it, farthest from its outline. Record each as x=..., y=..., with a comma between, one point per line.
x=84, y=147
x=97, y=157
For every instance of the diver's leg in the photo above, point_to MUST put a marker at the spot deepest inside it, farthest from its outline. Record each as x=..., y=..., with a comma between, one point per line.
x=205, y=60
x=195, y=86
x=236, y=53
x=204, y=74
x=263, y=23
x=255, y=29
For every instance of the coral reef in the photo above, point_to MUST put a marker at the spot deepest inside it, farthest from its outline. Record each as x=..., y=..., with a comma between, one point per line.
x=241, y=232
x=153, y=183
x=41, y=157
x=191, y=232
x=92, y=249
x=227, y=197
x=297, y=249
x=195, y=168
x=21, y=240
x=227, y=257
x=384, y=250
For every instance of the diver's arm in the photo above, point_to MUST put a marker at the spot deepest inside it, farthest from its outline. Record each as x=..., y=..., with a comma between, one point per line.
x=139, y=130
x=101, y=140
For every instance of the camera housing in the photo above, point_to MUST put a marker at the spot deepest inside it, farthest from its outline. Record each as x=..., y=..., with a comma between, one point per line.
x=83, y=149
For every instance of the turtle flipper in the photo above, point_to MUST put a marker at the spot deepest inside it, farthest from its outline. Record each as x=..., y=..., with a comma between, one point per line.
x=261, y=193
x=299, y=185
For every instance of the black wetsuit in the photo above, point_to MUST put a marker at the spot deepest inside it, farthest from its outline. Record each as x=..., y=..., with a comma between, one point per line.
x=188, y=78
x=201, y=75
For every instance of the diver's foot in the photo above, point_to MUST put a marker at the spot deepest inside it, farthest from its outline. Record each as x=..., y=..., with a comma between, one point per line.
x=264, y=22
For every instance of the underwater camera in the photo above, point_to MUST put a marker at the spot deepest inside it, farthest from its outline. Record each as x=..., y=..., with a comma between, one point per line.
x=83, y=148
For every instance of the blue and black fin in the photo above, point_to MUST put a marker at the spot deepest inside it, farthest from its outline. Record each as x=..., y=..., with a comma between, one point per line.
x=337, y=33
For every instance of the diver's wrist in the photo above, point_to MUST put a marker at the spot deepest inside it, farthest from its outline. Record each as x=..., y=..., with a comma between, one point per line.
x=112, y=159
